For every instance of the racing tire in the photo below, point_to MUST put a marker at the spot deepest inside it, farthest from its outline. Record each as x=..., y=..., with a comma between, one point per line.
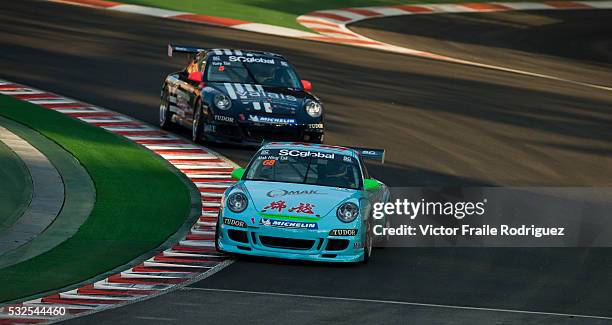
x=217, y=236
x=197, y=125
x=165, y=115
x=368, y=247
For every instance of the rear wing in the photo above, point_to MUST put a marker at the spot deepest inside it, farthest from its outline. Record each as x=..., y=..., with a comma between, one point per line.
x=184, y=49
x=373, y=154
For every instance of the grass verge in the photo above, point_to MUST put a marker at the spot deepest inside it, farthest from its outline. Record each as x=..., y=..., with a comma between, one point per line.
x=274, y=12
x=140, y=202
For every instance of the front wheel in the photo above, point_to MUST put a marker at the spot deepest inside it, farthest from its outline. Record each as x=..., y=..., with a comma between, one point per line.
x=165, y=115
x=197, y=126
x=217, y=230
x=368, y=246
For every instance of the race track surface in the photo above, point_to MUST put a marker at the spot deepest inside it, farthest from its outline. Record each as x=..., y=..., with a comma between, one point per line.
x=570, y=44
x=441, y=123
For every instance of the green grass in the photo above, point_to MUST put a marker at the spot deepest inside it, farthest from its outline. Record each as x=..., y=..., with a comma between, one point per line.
x=140, y=202
x=274, y=12
x=16, y=188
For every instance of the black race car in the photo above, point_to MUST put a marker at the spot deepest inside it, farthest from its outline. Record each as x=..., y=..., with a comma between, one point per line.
x=240, y=96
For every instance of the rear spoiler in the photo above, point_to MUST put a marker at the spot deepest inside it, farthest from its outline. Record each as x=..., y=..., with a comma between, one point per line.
x=373, y=154
x=184, y=49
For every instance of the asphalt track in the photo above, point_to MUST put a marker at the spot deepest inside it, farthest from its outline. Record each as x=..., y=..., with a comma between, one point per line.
x=441, y=123
x=573, y=44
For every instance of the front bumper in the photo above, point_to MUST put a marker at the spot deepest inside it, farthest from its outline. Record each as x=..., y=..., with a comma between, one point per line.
x=251, y=133
x=297, y=244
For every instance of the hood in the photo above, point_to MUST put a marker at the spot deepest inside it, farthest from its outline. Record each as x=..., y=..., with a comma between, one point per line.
x=290, y=199
x=263, y=100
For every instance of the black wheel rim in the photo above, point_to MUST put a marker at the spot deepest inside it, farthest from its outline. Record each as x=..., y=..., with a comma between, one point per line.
x=163, y=109
x=196, y=125
x=369, y=242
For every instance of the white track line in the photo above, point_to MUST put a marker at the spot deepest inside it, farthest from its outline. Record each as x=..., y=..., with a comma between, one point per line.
x=395, y=302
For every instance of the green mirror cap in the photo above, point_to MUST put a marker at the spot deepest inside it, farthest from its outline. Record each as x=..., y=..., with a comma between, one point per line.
x=370, y=184
x=237, y=173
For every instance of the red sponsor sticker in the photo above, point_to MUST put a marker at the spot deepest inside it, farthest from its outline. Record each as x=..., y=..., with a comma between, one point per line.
x=303, y=208
x=269, y=162
x=222, y=68
x=276, y=205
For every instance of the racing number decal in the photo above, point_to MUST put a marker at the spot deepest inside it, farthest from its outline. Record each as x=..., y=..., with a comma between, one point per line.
x=269, y=162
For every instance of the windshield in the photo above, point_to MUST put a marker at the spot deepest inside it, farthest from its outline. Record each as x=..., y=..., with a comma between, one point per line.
x=264, y=70
x=307, y=167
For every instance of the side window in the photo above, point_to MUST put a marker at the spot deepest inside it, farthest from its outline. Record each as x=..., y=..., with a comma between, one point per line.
x=364, y=169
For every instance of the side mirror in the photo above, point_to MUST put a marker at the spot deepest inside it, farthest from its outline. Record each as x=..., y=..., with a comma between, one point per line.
x=237, y=173
x=307, y=85
x=370, y=184
x=195, y=76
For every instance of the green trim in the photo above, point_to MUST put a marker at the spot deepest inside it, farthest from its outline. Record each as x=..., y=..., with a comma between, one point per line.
x=286, y=217
x=370, y=184
x=79, y=193
x=238, y=173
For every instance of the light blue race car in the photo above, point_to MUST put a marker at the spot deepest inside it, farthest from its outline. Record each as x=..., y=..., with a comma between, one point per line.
x=302, y=201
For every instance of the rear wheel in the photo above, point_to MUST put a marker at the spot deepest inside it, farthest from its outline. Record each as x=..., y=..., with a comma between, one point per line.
x=165, y=115
x=368, y=245
x=197, y=126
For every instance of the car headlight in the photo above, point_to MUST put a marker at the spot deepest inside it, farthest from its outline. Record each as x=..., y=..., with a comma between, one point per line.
x=347, y=212
x=222, y=102
x=237, y=202
x=313, y=108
